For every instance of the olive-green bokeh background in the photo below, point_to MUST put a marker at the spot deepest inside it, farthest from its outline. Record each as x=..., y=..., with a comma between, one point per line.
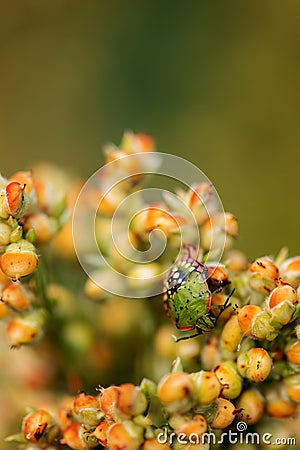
x=215, y=82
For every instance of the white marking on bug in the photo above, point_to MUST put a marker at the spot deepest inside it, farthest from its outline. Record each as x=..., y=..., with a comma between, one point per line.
x=179, y=280
x=176, y=275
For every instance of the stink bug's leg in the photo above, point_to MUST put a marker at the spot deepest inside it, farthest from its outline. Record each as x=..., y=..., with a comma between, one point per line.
x=216, y=291
x=226, y=304
x=187, y=250
x=199, y=332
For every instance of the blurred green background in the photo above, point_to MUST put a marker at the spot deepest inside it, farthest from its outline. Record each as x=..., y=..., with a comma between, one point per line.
x=215, y=82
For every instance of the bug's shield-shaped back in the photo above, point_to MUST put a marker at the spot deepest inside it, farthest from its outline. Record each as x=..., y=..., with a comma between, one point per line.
x=190, y=301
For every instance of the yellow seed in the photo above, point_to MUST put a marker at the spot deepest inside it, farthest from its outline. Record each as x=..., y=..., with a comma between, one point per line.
x=246, y=314
x=4, y=310
x=231, y=334
x=83, y=401
x=16, y=296
x=108, y=399
x=188, y=350
x=210, y=354
x=64, y=413
x=73, y=437
x=282, y=293
x=125, y=436
x=100, y=432
x=293, y=353
x=243, y=364
x=251, y=402
x=143, y=275
x=24, y=178
x=281, y=409
x=175, y=387
x=236, y=261
x=20, y=331
x=14, y=197
x=260, y=364
x=225, y=413
x=230, y=379
x=5, y=232
x=19, y=260
x=197, y=198
x=44, y=226
x=131, y=400
x=195, y=426
x=93, y=291
x=165, y=346
x=266, y=267
x=208, y=387
x=292, y=387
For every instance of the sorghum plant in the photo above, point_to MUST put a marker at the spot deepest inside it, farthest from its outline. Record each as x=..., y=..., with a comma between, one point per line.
x=154, y=387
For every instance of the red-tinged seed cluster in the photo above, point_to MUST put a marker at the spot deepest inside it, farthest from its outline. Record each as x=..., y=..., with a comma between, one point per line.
x=31, y=212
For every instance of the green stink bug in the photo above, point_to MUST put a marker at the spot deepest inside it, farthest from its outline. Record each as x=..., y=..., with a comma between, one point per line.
x=187, y=297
